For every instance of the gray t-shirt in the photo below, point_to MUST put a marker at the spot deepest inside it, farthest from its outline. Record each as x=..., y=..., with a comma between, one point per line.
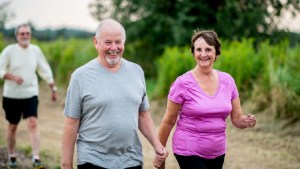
x=108, y=105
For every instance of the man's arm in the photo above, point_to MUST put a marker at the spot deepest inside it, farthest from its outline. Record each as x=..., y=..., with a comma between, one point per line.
x=68, y=142
x=146, y=126
x=53, y=91
x=19, y=80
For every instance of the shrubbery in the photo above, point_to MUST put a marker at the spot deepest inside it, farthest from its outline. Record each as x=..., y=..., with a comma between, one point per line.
x=267, y=75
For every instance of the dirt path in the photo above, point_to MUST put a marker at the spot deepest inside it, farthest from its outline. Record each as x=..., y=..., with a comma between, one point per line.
x=264, y=147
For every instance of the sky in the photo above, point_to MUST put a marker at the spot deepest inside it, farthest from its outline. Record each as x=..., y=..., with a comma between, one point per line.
x=52, y=14
x=56, y=14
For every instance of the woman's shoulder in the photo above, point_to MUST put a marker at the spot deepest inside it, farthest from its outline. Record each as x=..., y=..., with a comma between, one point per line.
x=224, y=74
x=225, y=77
x=185, y=79
x=187, y=74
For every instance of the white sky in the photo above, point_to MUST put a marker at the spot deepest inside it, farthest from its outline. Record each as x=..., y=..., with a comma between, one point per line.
x=52, y=14
x=293, y=24
x=75, y=14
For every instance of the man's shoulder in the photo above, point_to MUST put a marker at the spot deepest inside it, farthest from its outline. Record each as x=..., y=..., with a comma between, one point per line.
x=85, y=67
x=8, y=49
x=131, y=64
x=34, y=46
x=11, y=46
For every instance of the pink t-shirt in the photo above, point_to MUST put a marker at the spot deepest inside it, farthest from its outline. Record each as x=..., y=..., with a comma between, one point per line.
x=201, y=124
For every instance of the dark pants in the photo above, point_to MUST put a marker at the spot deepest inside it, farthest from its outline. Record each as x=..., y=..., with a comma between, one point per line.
x=91, y=166
x=16, y=108
x=196, y=162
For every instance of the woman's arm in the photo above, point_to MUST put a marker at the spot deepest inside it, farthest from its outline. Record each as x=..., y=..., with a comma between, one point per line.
x=168, y=121
x=166, y=126
x=238, y=119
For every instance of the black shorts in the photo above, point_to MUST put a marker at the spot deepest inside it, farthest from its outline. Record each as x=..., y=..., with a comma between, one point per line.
x=91, y=166
x=15, y=108
x=196, y=162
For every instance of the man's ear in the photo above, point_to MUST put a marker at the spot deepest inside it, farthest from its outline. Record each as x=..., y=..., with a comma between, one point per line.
x=95, y=41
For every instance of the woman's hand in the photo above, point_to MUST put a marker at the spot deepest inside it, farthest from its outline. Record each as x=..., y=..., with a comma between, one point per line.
x=160, y=157
x=249, y=121
x=159, y=163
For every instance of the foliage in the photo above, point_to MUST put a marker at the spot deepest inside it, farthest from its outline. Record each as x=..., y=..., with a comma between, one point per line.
x=177, y=18
x=174, y=62
x=237, y=58
x=67, y=55
x=268, y=77
x=150, y=84
x=50, y=34
x=5, y=15
x=2, y=42
x=154, y=24
x=280, y=82
x=241, y=61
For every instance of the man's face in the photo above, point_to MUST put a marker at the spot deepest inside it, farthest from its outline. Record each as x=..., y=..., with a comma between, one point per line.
x=110, y=44
x=24, y=36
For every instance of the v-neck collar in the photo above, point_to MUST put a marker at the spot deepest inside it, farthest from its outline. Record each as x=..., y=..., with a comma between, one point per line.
x=202, y=91
x=111, y=72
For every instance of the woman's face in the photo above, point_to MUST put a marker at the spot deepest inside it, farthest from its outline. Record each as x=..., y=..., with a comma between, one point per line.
x=204, y=54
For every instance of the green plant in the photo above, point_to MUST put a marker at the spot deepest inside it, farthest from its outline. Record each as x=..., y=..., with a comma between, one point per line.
x=174, y=62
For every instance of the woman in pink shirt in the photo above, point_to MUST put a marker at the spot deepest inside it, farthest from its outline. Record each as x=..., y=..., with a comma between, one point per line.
x=200, y=101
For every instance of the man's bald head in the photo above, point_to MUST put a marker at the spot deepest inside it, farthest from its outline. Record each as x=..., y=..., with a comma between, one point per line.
x=109, y=24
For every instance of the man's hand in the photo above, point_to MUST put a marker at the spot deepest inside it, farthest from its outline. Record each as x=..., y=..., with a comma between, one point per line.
x=54, y=96
x=161, y=156
x=54, y=91
x=19, y=80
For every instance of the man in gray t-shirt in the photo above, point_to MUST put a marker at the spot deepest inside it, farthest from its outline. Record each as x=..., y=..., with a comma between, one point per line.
x=106, y=104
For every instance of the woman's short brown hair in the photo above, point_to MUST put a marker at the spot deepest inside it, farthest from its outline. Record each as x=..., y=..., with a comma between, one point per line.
x=209, y=36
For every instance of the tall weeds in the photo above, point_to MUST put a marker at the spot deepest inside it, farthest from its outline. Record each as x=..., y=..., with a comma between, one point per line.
x=269, y=77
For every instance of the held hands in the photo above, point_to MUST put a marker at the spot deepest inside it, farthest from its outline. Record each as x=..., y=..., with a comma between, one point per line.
x=249, y=121
x=160, y=157
x=159, y=164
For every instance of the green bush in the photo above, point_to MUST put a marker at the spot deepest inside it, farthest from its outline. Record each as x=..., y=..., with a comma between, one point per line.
x=240, y=60
x=2, y=44
x=268, y=77
x=174, y=62
x=65, y=56
x=280, y=82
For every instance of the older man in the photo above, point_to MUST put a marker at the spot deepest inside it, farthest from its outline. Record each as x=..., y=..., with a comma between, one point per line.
x=106, y=105
x=18, y=66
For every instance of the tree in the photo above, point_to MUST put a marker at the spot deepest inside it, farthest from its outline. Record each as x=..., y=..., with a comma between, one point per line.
x=155, y=24
x=4, y=14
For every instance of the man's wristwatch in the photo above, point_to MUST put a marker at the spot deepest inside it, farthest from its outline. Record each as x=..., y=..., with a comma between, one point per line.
x=54, y=89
